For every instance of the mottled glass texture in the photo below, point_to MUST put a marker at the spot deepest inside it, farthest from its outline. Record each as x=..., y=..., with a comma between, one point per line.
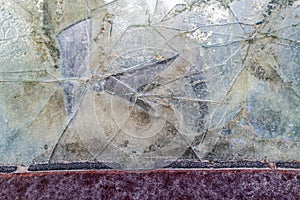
x=139, y=84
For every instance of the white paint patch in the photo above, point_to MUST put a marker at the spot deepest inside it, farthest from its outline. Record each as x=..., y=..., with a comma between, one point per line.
x=213, y=13
x=200, y=36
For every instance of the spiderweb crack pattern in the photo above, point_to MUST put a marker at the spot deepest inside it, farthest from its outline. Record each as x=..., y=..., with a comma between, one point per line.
x=140, y=84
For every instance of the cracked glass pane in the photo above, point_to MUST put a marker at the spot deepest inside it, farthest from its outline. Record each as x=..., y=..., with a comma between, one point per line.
x=140, y=84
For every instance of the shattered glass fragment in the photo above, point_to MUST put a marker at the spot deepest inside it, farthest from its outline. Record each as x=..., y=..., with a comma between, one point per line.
x=138, y=84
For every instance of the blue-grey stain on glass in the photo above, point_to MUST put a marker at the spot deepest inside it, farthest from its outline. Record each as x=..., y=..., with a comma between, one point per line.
x=74, y=45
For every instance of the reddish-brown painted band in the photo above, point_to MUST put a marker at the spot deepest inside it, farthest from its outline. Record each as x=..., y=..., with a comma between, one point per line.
x=155, y=184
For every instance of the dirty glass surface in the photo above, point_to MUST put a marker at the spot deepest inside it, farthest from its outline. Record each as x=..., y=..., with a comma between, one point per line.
x=138, y=84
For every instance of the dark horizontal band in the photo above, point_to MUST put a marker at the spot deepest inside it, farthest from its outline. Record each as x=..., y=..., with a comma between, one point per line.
x=179, y=164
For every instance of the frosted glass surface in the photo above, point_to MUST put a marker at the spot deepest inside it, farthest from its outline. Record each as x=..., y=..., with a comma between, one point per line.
x=138, y=84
